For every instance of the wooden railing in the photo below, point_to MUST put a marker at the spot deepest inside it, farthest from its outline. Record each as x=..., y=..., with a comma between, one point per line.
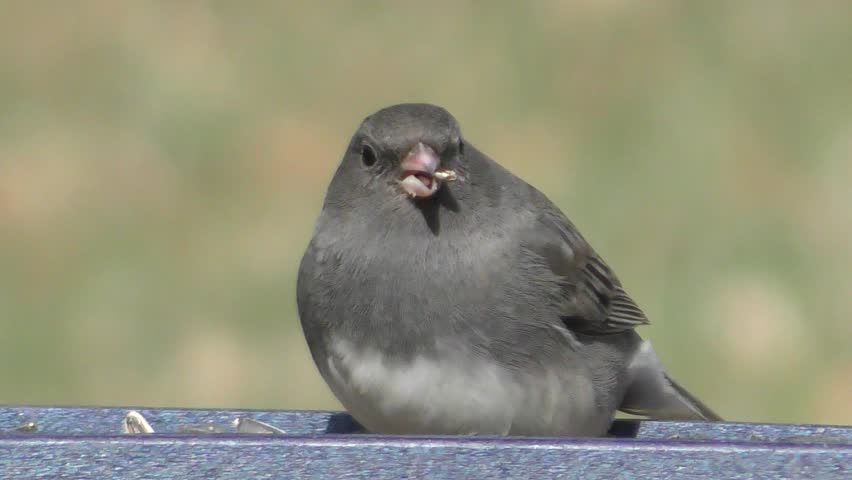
x=79, y=442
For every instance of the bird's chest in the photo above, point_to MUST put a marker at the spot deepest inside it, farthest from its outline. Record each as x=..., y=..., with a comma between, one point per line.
x=416, y=288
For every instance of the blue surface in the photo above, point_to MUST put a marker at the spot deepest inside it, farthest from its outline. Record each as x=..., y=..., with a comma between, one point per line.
x=86, y=443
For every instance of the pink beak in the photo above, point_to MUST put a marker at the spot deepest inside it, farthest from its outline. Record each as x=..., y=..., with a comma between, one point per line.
x=418, y=169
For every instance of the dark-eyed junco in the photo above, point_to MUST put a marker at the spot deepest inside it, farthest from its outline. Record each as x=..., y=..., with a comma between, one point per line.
x=441, y=294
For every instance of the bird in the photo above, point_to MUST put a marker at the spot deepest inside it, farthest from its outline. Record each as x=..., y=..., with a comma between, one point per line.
x=440, y=294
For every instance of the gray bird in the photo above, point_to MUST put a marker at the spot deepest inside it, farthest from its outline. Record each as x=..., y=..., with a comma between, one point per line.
x=441, y=294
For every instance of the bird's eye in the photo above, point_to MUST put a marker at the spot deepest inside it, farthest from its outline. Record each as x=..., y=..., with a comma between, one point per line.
x=461, y=147
x=368, y=156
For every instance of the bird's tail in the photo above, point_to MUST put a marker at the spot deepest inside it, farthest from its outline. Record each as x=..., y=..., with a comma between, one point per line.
x=653, y=393
x=697, y=406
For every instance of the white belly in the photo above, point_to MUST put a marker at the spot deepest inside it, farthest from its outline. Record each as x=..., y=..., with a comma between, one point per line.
x=459, y=394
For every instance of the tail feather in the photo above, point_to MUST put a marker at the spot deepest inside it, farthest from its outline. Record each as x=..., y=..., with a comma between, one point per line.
x=653, y=393
x=695, y=404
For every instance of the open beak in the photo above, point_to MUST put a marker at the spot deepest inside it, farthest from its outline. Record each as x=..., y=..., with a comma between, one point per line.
x=421, y=172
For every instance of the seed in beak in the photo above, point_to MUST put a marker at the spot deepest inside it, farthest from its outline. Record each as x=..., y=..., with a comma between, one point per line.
x=446, y=175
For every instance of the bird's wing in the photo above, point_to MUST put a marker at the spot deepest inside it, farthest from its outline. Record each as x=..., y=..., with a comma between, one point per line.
x=592, y=298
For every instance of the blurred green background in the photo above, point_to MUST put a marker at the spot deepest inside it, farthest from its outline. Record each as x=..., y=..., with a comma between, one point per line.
x=162, y=164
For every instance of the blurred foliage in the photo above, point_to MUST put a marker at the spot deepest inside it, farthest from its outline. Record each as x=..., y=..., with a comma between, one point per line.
x=162, y=163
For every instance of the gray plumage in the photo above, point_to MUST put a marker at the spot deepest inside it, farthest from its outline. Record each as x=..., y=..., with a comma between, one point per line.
x=479, y=309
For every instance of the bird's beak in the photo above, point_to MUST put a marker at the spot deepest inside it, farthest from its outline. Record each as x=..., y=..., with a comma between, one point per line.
x=421, y=173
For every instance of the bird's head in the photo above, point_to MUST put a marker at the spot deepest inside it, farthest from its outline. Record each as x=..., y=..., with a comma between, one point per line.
x=410, y=150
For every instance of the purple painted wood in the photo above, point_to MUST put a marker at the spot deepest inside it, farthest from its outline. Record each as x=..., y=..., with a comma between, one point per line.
x=85, y=443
